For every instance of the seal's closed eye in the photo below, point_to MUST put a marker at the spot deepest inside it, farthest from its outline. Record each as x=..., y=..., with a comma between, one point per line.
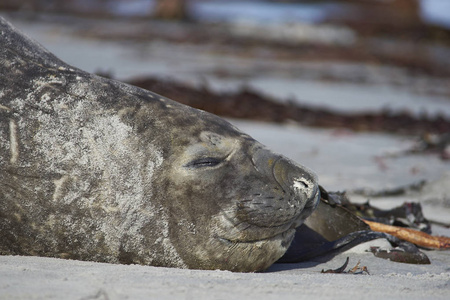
x=204, y=162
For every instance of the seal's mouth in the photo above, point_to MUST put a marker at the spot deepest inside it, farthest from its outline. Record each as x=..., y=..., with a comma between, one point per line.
x=285, y=236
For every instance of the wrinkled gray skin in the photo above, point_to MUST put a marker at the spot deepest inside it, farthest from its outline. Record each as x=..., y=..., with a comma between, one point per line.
x=94, y=169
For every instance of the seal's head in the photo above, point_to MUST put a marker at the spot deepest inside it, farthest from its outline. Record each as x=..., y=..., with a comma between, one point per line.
x=233, y=204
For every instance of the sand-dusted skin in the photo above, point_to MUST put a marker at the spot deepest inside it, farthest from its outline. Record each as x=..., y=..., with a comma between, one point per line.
x=94, y=169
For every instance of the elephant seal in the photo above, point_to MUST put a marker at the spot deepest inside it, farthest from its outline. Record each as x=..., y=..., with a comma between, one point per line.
x=94, y=169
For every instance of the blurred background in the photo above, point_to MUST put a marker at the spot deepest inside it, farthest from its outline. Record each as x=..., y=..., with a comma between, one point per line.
x=359, y=90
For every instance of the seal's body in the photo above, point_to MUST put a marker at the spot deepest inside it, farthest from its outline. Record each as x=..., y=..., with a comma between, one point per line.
x=95, y=169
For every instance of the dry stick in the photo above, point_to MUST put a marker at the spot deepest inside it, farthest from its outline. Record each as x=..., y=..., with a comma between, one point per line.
x=414, y=236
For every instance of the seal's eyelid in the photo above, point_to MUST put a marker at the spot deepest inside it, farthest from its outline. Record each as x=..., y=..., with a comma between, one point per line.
x=204, y=162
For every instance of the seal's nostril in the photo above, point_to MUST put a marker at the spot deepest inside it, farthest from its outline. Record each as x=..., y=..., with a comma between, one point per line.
x=301, y=183
x=305, y=184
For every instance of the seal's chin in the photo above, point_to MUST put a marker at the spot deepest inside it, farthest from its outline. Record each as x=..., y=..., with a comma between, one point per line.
x=259, y=253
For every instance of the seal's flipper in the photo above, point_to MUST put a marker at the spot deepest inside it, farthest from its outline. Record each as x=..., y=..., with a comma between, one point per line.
x=308, y=244
x=332, y=229
x=302, y=249
x=333, y=221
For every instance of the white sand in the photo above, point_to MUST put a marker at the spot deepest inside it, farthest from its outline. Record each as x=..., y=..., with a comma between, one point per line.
x=342, y=160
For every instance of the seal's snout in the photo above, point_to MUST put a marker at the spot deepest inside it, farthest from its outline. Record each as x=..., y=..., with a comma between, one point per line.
x=300, y=184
